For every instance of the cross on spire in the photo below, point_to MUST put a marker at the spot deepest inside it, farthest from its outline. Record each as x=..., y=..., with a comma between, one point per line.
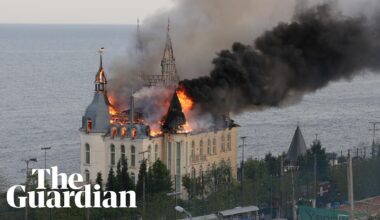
x=101, y=51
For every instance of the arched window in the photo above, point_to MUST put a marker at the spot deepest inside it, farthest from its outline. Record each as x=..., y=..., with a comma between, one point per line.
x=87, y=153
x=155, y=152
x=122, y=150
x=149, y=151
x=222, y=146
x=192, y=148
x=113, y=132
x=133, y=177
x=214, y=145
x=209, y=146
x=112, y=154
x=133, y=133
x=123, y=132
x=87, y=176
x=133, y=156
x=201, y=147
x=229, y=141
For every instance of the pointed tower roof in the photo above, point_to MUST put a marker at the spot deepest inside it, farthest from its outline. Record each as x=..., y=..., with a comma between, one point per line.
x=168, y=68
x=97, y=112
x=297, y=146
x=168, y=51
x=175, y=118
x=101, y=75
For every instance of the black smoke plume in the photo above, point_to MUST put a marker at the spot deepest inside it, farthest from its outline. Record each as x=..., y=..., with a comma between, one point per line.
x=320, y=45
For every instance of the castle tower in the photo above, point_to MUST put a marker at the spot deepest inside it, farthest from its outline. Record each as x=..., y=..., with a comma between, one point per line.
x=175, y=118
x=96, y=117
x=168, y=68
x=297, y=147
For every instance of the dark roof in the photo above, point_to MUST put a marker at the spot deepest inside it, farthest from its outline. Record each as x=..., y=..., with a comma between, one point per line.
x=175, y=118
x=97, y=111
x=297, y=146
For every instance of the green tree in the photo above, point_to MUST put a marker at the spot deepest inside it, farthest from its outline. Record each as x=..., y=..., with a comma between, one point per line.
x=142, y=178
x=159, y=180
x=126, y=181
x=111, y=181
x=119, y=178
x=99, y=180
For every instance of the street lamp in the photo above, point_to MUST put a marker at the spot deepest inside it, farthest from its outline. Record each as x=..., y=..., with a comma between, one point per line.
x=45, y=149
x=291, y=168
x=27, y=180
x=242, y=168
x=182, y=210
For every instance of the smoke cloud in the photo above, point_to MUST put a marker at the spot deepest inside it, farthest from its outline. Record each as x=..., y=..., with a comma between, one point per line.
x=300, y=47
x=320, y=45
x=199, y=29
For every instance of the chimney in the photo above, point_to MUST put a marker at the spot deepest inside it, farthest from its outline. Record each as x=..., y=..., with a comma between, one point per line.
x=131, y=112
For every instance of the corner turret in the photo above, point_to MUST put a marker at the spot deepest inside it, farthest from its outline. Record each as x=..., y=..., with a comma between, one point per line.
x=96, y=118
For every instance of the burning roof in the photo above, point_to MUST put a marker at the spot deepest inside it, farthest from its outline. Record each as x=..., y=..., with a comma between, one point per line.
x=175, y=118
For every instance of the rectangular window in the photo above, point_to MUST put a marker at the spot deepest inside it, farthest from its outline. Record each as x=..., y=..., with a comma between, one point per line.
x=178, y=167
x=186, y=155
x=112, y=154
x=87, y=153
x=155, y=152
x=169, y=156
x=122, y=152
x=133, y=156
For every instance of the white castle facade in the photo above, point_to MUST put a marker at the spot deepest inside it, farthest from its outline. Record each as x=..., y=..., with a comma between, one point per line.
x=103, y=142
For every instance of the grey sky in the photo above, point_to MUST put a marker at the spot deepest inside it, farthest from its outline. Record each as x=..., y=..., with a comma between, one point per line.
x=78, y=11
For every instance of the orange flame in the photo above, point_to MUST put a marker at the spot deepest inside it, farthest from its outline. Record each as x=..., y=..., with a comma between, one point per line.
x=187, y=105
x=186, y=102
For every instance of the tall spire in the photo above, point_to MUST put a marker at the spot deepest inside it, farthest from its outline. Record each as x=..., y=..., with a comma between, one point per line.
x=100, y=78
x=139, y=44
x=168, y=68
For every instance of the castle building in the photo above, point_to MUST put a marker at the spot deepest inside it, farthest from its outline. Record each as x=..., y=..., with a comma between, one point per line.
x=106, y=137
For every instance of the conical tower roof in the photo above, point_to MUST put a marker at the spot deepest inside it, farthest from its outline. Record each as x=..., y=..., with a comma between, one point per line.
x=297, y=146
x=168, y=67
x=175, y=118
x=100, y=77
x=97, y=112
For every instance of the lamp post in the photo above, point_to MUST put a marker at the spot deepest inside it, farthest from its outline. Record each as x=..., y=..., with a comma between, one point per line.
x=242, y=168
x=182, y=210
x=175, y=194
x=27, y=180
x=291, y=168
x=45, y=149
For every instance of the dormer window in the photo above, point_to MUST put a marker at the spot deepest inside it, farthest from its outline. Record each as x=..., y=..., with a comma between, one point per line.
x=113, y=132
x=123, y=132
x=89, y=125
x=133, y=133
